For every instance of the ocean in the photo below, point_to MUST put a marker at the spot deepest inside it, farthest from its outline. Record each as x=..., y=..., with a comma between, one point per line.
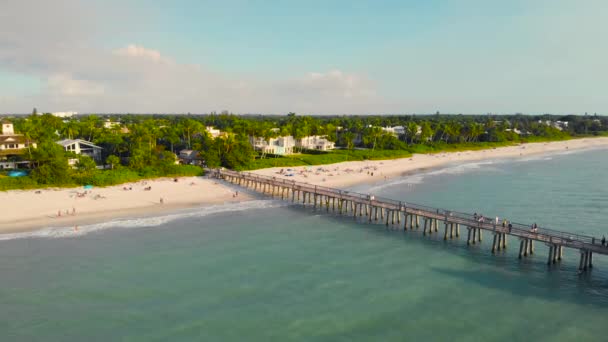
x=267, y=270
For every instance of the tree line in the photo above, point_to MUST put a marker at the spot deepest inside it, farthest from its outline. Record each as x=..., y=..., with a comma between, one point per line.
x=146, y=145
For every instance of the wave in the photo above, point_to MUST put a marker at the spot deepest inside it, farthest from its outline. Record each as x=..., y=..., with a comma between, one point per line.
x=418, y=178
x=464, y=167
x=143, y=222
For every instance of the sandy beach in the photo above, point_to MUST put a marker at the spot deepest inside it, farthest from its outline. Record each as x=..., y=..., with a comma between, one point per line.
x=358, y=172
x=27, y=210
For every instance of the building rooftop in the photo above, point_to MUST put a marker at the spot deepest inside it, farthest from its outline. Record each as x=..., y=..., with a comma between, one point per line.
x=66, y=142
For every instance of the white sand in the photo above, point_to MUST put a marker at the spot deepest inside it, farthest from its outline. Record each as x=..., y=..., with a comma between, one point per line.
x=350, y=173
x=27, y=210
x=24, y=210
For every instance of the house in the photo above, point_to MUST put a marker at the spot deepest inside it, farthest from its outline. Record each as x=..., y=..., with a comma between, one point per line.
x=315, y=142
x=109, y=124
x=396, y=131
x=12, y=145
x=82, y=147
x=280, y=145
x=190, y=157
x=214, y=133
x=514, y=130
x=11, y=141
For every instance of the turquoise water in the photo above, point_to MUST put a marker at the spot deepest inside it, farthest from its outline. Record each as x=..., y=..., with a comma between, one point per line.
x=266, y=271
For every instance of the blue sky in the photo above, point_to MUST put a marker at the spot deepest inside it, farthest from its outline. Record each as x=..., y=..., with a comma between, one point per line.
x=466, y=56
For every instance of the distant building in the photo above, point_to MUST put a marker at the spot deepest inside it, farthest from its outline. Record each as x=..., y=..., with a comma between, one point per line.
x=560, y=125
x=109, y=124
x=82, y=147
x=315, y=142
x=64, y=114
x=214, y=133
x=396, y=131
x=514, y=130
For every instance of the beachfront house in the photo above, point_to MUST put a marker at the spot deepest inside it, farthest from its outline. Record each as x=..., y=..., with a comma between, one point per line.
x=279, y=146
x=395, y=131
x=13, y=146
x=83, y=147
x=560, y=125
x=190, y=157
x=214, y=133
x=109, y=124
x=315, y=142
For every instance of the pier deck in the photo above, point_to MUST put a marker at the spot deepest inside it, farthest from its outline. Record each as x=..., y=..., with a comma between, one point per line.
x=394, y=211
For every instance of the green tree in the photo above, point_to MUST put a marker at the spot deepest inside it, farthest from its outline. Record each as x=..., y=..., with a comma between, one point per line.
x=51, y=166
x=113, y=161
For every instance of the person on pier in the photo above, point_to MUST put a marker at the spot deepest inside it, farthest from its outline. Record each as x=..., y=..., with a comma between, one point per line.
x=603, y=240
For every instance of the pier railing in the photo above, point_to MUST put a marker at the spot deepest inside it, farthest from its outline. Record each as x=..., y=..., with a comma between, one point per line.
x=520, y=229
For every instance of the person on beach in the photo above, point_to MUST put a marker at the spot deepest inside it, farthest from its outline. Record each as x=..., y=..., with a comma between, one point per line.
x=73, y=211
x=58, y=213
x=162, y=201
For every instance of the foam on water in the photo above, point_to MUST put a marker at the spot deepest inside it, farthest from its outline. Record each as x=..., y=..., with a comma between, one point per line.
x=464, y=167
x=453, y=169
x=143, y=222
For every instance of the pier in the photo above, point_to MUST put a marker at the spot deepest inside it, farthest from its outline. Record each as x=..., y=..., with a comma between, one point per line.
x=409, y=216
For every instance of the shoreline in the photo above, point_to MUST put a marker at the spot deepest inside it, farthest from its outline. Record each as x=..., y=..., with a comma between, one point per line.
x=354, y=173
x=111, y=203
x=31, y=210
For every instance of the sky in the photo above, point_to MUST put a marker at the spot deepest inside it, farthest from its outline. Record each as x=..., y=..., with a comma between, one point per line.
x=308, y=57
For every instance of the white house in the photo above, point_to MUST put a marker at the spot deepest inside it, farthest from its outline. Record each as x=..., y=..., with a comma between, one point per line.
x=214, y=133
x=109, y=124
x=281, y=145
x=83, y=147
x=396, y=131
x=315, y=142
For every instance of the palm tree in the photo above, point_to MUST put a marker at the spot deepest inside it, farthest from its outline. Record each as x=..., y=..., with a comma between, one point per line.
x=27, y=130
x=412, y=131
x=70, y=129
x=188, y=128
x=349, y=138
x=371, y=135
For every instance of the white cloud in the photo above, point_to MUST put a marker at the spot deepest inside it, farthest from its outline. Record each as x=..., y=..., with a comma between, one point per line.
x=51, y=42
x=65, y=85
x=140, y=52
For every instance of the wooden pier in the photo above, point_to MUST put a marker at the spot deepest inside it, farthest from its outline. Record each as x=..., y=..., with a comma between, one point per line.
x=411, y=216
